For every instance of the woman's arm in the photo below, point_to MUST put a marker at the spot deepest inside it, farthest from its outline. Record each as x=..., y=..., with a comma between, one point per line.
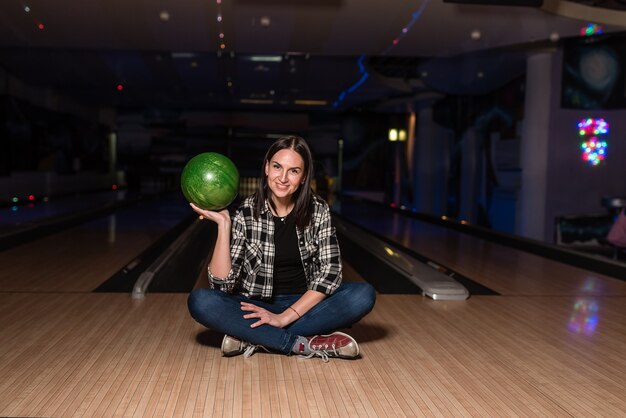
x=220, y=263
x=307, y=301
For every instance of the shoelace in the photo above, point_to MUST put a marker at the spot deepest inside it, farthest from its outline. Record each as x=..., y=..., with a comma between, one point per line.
x=324, y=354
x=250, y=349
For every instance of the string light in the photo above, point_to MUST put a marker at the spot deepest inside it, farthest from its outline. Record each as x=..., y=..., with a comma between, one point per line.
x=593, y=126
x=220, y=19
x=364, y=75
x=593, y=149
x=414, y=17
x=221, y=43
x=591, y=29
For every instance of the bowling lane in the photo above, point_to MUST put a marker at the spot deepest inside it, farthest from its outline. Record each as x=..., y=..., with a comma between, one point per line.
x=79, y=259
x=504, y=269
x=17, y=218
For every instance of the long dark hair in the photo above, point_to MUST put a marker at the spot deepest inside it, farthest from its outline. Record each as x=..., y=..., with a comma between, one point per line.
x=303, y=206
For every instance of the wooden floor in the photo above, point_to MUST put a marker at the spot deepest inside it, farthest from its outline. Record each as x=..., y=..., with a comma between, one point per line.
x=66, y=351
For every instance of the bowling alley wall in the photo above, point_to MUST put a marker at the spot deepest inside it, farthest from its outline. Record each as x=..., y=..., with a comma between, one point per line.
x=509, y=159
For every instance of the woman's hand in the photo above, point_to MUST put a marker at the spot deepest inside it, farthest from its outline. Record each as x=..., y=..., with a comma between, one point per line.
x=221, y=218
x=265, y=316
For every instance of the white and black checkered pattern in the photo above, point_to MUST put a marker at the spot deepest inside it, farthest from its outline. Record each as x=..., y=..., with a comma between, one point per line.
x=252, y=252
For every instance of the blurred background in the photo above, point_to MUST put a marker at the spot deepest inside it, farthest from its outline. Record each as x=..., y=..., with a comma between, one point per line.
x=505, y=115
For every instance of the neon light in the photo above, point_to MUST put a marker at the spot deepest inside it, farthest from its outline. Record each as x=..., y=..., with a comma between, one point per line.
x=356, y=85
x=591, y=29
x=414, y=17
x=594, y=149
x=593, y=127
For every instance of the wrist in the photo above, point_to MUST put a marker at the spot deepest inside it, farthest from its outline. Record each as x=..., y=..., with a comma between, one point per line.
x=292, y=309
x=224, y=223
x=285, y=319
x=289, y=315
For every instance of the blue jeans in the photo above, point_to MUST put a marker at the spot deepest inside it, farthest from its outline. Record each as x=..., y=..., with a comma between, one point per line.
x=222, y=312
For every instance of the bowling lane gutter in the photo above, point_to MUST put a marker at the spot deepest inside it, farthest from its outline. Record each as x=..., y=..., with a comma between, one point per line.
x=172, y=264
x=150, y=261
x=574, y=258
x=431, y=277
x=177, y=269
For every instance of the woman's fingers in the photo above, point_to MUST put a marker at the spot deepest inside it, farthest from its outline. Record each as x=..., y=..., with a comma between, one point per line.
x=259, y=322
x=218, y=217
x=245, y=306
x=265, y=317
x=198, y=210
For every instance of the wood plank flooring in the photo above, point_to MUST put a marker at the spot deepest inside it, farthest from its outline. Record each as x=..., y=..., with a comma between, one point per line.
x=553, y=344
x=108, y=355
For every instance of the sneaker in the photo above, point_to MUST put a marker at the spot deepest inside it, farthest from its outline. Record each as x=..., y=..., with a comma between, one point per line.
x=336, y=344
x=231, y=346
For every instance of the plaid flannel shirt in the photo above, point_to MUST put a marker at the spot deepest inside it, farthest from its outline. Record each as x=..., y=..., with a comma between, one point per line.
x=252, y=252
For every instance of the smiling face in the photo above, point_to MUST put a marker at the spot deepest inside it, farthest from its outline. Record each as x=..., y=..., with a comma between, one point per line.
x=285, y=174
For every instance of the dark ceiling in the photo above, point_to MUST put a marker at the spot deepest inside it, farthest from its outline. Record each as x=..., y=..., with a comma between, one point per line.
x=304, y=55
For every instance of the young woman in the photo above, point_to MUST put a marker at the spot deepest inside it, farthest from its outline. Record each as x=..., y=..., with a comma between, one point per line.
x=275, y=272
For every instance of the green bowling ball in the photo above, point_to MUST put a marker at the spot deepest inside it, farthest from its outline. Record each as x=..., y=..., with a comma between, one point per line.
x=210, y=181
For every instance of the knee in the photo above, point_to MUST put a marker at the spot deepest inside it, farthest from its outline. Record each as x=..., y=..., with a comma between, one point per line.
x=369, y=296
x=363, y=297
x=199, y=302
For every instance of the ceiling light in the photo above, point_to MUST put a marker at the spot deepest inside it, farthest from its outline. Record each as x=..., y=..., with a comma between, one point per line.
x=306, y=102
x=183, y=55
x=256, y=101
x=164, y=16
x=265, y=58
x=265, y=21
x=475, y=35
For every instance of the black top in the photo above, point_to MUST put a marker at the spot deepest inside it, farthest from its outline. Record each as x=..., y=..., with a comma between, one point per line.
x=289, y=275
